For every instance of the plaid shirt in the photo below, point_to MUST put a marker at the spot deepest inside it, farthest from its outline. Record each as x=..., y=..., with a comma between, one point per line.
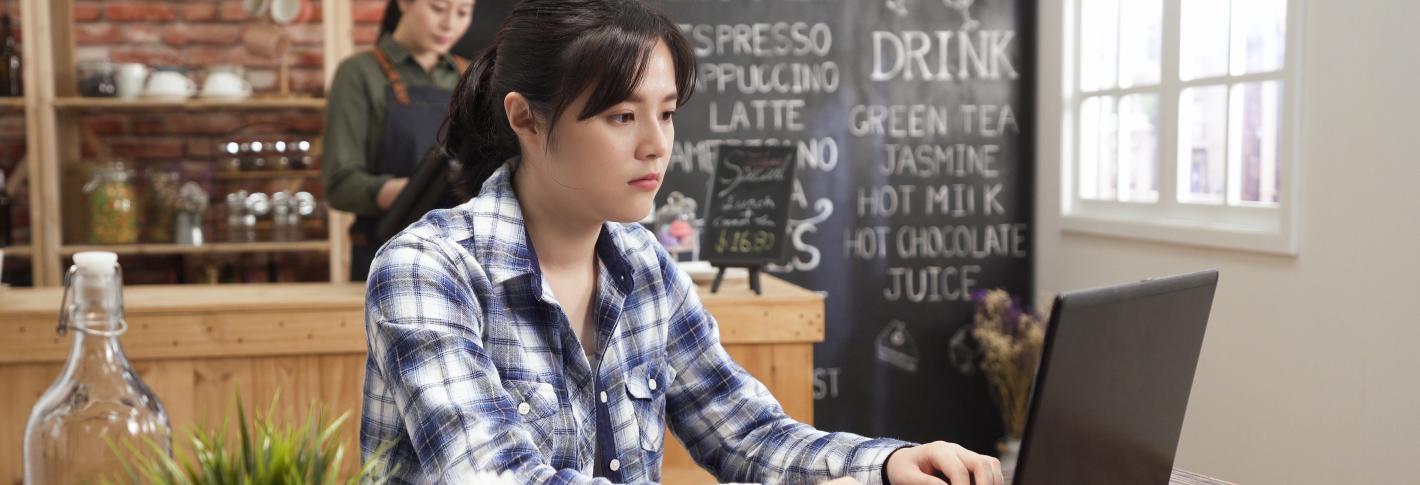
x=473, y=367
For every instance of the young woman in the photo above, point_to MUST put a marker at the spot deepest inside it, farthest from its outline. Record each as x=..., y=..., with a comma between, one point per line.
x=536, y=330
x=384, y=111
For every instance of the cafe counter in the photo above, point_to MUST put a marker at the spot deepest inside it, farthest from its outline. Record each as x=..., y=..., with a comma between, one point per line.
x=198, y=346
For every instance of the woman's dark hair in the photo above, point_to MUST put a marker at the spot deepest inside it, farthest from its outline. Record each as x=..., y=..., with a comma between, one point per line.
x=390, y=20
x=552, y=51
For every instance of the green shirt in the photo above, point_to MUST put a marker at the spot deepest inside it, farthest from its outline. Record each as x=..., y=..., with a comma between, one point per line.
x=355, y=117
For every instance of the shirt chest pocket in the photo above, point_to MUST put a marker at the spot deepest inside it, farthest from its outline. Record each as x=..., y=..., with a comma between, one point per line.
x=536, y=404
x=646, y=386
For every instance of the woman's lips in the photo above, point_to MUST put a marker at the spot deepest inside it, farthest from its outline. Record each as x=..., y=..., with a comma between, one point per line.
x=647, y=182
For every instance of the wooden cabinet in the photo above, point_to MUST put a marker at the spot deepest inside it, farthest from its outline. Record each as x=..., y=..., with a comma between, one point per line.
x=53, y=111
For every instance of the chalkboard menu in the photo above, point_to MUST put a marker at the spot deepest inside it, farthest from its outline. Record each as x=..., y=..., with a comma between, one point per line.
x=911, y=124
x=749, y=206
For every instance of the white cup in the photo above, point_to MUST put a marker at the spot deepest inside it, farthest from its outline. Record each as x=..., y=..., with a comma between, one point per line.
x=170, y=84
x=225, y=84
x=129, y=77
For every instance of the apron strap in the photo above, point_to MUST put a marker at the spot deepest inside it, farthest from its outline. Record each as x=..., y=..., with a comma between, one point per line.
x=401, y=94
x=461, y=63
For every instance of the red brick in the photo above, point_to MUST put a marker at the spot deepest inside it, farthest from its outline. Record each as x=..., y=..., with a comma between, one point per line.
x=308, y=57
x=13, y=126
x=142, y=33
x=305, y=34
x=308, y=81
x=232, y=10
x=209, y=55
x=204, y=123
x=150, y=125
x=158, y=148
x=199, y=11
x=86, y=12
x=365, y=36
x=126, y=11
x=106, y=124
x=97, y=34
x=368, y=11
x=315, y=15
x=200, y=147
x=147, y=55
x=182, y=34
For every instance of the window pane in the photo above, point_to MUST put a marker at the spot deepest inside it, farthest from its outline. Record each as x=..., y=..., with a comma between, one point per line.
x=1138, y=147
x=1259, y=35
x=1140, y=38
x=1099, y=148
x=1202, y=144
x=1254, y=127
x=1099, y=39
x=1203, y=39
x=1089, y=148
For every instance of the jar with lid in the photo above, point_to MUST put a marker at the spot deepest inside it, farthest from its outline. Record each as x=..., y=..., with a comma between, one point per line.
x=113, y=217
x=676, y=224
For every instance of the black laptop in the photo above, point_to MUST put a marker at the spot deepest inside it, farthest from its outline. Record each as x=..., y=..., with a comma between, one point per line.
x=1108, y=402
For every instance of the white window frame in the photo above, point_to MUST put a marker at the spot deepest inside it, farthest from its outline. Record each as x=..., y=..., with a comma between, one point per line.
x=1271, y=230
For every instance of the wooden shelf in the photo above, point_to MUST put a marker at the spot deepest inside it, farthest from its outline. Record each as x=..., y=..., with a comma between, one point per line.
x=23, y=251
x=12, y=102
x=211, y=248
x=295, y=102
x=266, y=174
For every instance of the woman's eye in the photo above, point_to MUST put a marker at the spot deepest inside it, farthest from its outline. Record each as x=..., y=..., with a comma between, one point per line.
x=623, y=118
x=667, y=116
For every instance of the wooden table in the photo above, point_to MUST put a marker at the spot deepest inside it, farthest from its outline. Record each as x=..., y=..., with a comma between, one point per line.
x=197, y=345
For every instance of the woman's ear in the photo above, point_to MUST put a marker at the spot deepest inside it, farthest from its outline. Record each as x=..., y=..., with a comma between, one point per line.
x=522, y=119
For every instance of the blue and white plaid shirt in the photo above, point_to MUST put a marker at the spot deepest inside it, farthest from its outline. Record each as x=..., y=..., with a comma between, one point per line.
x=473, y=367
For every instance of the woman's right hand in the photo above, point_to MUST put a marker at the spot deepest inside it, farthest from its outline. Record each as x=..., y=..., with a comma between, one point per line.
x=389, y=192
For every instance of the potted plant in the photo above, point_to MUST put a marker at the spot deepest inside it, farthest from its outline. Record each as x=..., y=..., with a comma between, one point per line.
x=1010, y=339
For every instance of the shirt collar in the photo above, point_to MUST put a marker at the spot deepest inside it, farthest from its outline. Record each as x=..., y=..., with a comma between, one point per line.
x=501, y=243
x=398, y=53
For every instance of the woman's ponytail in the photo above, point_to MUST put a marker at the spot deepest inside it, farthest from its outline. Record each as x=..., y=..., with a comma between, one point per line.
x=476, y=133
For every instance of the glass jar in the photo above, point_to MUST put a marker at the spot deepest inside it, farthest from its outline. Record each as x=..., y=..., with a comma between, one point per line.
x=675, y=224
x=113, y=217
x=98, y=402
x=96, y=79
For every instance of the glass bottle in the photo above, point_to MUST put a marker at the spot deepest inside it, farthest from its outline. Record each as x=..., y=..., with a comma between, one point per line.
x=12, y=79
x=98, y=400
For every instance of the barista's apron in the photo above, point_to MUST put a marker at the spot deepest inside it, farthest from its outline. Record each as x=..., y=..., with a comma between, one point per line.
x=411, y=128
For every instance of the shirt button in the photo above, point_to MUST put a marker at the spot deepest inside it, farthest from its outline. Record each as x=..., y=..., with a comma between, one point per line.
x=524, y=409
x=603, y=397
x=615, y=465
x=652, y=384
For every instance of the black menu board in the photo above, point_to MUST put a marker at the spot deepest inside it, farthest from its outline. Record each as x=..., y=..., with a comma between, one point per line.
x=911, y=122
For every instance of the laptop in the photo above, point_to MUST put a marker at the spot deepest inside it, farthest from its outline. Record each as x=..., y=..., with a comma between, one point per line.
x=1108, y=402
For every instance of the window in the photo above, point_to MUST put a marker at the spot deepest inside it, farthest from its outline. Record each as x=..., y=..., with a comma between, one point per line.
x=1180, y=121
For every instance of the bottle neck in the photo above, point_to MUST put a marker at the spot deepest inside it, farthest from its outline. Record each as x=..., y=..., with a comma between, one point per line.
x=96, y=320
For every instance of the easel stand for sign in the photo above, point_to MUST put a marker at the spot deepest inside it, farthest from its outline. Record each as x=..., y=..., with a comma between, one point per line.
x=753, y=277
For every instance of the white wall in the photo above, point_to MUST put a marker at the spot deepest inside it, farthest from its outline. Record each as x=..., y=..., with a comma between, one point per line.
x=1308, y=373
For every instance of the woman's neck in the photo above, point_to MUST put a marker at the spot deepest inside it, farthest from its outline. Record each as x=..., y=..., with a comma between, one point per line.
x=563, y=240
x=425, y=58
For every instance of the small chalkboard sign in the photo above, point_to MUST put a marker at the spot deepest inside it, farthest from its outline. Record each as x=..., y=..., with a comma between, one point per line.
x=748, y=216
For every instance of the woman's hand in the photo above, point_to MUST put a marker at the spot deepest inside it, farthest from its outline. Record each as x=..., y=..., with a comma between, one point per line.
x=927, y=464
x=389, y=192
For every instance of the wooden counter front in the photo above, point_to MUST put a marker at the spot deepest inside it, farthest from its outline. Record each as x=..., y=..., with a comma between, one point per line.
x=197, y=345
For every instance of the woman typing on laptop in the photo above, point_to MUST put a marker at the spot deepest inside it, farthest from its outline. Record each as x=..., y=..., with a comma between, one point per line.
x=536, y=331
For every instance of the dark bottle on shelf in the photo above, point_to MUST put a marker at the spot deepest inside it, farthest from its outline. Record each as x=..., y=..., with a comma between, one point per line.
x=12, y=80
x=4, y=214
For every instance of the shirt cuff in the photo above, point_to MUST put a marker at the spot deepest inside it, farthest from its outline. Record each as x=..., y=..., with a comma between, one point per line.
x=869, y=462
